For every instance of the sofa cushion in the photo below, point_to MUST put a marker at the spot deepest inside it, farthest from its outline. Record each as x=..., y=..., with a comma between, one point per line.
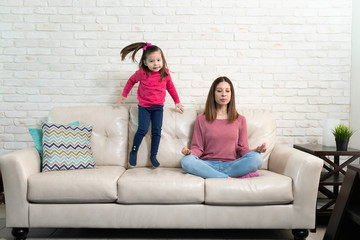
x=81, y=186
x=109, y=140
x=160, y=186
x=176, y=132
x=268, y=188
x=66, y=147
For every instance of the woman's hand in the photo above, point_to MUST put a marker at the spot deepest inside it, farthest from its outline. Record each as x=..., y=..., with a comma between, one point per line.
x=121, y=99
x=186, y=151
x=180, y=107
x=261, y=148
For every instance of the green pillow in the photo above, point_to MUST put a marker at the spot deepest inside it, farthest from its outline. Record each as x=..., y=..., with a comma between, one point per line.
x=37, y=135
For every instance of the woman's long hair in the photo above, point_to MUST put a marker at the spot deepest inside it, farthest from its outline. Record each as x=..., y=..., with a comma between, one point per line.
x=210, y=107
x=135, y=47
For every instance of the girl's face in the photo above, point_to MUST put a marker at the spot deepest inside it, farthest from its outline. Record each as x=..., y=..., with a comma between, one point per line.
x=154, y=61
x=222, y=93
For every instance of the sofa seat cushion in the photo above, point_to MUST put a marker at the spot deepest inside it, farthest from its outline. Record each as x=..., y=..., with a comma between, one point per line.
x=160, y=186
x=268, y=188
x=75, y=186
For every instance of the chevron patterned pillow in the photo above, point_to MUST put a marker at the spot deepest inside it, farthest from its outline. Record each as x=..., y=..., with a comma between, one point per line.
x=66, y=147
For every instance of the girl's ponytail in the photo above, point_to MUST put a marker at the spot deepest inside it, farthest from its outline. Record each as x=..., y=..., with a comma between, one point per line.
x=135, y=47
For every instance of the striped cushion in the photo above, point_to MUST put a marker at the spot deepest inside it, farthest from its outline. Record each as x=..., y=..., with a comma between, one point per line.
x=66, y=147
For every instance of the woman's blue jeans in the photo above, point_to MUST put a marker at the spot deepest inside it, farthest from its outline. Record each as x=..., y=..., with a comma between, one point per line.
x=250, y=162
x=147, y=114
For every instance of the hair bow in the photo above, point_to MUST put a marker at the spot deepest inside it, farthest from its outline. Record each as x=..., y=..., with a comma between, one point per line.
x=146, y=46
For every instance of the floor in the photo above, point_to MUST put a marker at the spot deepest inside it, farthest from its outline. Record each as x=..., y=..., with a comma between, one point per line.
x=5, y=233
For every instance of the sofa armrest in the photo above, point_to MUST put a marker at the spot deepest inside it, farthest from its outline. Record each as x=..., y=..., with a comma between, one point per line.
x=16, y=167
x=304, y=169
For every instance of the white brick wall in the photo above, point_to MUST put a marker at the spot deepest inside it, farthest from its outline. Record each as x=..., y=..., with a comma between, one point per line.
x=291, y=56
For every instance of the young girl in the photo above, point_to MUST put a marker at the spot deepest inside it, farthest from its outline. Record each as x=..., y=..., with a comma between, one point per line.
x=154, y=78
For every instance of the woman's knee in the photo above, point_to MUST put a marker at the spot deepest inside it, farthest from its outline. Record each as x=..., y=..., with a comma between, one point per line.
x=256, y=159
x=186, y=161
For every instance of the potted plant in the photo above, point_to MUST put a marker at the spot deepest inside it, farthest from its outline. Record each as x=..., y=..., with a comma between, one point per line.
x=342, y=135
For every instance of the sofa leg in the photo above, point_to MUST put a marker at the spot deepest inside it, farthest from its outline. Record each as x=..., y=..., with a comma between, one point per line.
x=20, y=233
x=300, y=234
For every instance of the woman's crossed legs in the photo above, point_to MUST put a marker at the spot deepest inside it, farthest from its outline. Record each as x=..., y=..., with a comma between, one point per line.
x=250, y=162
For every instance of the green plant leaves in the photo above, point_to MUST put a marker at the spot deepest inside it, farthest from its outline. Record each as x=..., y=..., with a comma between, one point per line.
x=341, y=131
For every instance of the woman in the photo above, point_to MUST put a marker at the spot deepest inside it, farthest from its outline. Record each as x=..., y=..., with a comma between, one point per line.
x=219, y=147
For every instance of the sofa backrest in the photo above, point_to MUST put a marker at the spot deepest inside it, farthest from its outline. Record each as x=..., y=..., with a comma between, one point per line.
x=109, y=139
x=261, y=127
x=114, y=128
x=177, y=132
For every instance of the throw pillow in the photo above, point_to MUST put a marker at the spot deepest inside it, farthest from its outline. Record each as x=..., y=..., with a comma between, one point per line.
x=37, y=135
x=66, y=147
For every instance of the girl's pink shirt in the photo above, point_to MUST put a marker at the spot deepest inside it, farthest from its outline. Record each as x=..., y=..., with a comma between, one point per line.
x=220, y=140
x=151, y=91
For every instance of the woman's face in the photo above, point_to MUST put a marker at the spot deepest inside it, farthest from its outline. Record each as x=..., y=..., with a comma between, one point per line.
x=222, y=93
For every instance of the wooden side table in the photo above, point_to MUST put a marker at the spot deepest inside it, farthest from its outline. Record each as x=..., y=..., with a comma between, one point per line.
x=334, y=172
x=344, y=222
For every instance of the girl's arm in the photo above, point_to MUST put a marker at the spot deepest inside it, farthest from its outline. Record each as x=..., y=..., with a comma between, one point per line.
x=170, y=87
x=172, y=90
x=131, y=82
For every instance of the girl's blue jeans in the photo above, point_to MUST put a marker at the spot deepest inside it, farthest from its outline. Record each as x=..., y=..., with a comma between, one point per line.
x=147, y=114
x=250, y=162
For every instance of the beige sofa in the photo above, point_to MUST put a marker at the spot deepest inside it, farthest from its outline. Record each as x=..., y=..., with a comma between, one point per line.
x=114, y=195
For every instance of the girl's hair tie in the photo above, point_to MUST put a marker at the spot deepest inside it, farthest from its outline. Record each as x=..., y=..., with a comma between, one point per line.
x=146, y=46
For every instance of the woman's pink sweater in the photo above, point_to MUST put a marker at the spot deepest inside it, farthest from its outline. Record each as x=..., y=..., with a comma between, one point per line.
x=220, y=140
x=151, y=91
